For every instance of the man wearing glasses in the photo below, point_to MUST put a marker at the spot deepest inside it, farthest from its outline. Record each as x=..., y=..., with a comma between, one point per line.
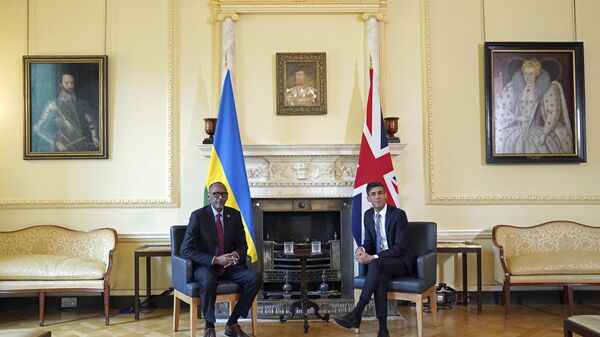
x=215, y=241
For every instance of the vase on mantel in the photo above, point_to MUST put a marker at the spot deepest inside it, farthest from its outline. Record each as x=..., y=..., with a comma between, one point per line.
x=210, y=125
x=391, y=127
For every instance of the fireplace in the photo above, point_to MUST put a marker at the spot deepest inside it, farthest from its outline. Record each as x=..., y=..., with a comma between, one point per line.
x=304, y=221
x=300, y=193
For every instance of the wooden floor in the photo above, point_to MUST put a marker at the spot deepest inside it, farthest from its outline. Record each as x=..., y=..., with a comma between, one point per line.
x=526, y=320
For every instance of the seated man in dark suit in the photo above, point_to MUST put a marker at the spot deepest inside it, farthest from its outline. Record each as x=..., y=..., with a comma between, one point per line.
x=384, y=251
x=215, y=241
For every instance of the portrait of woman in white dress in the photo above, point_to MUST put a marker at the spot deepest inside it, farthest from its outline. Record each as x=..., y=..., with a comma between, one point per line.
x=531, y=112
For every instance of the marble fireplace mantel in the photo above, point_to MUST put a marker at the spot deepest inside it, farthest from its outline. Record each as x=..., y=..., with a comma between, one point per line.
x=301, y=171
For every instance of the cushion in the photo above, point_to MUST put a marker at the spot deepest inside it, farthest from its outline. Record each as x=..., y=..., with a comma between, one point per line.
x=50, y=267
x=25, y=333
x=572, y=262
x=398, y=284
x=556, y=279
x=224, y=287
x=38, y=285
x=591, y=322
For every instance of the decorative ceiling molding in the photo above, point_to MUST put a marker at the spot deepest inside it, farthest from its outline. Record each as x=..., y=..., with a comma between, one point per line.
x=435, y=197
x=299, y=6
x=167, y=202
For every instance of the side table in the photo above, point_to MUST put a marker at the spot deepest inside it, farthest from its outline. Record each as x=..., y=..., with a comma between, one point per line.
x=146, y=251
x=304, y=303
x=464, y=247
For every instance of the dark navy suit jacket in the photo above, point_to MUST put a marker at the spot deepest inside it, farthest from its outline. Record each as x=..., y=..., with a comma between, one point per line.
x=397, y=237
x=200, y=243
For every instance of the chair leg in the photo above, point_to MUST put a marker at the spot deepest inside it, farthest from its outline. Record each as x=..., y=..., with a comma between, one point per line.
x=42, y=306
x=194, y=316
x=356, y=299
x=569, y=290
x=176, y=307
x=255, y=316
x=433, y=305
x=506, y=299
x=419, y=308
x=106, y=305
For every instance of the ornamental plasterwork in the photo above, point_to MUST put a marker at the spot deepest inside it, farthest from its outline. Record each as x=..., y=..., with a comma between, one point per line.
x=301, y=171
x=296, y=6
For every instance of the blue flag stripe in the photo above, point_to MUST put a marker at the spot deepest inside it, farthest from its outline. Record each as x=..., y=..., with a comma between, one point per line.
x=228, y=146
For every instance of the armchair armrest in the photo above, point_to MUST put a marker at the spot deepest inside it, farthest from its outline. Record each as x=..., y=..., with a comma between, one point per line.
x=426, y=267
x=182, y=271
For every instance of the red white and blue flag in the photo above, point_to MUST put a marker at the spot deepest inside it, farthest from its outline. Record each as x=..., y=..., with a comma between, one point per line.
x=374, y=162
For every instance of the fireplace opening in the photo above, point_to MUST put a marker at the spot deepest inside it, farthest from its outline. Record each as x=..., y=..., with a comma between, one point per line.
x=301, y=227
x=304, y=222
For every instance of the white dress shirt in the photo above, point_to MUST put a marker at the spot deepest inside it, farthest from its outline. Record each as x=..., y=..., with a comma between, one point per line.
x=381, y=229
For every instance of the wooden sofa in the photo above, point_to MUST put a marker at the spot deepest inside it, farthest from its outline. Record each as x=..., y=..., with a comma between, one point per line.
x=558, y=253
x=43, y=259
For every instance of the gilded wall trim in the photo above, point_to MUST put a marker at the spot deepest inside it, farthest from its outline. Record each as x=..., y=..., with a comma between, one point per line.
x=168, y=201
x=435, y=197
x=297, y=6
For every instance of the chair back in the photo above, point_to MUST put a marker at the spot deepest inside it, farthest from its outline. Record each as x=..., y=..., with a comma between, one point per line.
x=423, y=237
x=177, y=234
x=423, y=240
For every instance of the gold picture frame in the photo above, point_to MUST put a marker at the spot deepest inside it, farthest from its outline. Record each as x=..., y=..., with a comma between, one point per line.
x=301, y=80
x=65, y=107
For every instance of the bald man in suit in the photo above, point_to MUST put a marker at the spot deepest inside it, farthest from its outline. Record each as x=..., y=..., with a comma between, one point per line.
x=216, y=242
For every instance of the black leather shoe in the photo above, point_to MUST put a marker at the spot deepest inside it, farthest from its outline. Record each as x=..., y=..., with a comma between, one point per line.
x=234, y=331
x=210, y=332
x=383, y=333
x=347, y=321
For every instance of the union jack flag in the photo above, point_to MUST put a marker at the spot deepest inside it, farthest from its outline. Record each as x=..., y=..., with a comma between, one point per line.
x=374, y=162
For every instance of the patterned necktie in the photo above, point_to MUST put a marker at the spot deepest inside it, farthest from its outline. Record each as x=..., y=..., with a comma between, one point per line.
x=378, y=232
x=220, y=269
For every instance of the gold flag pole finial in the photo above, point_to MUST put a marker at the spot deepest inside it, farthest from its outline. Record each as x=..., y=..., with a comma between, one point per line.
x=370, y=61
x=226, y=66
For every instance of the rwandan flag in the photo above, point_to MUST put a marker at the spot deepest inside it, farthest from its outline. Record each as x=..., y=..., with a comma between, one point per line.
x=227, y=163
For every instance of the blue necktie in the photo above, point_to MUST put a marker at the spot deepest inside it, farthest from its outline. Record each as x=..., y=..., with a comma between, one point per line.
x=378, y=232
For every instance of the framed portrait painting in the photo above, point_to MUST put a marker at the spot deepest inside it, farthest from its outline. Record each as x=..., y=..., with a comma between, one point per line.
x=535, y=102
x=301, y=80
x=65, y=107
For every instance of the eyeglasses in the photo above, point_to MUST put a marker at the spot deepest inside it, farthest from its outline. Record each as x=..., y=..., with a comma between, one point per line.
x=223, y=195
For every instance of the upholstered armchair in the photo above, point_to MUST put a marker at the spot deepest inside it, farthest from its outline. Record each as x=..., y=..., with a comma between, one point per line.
x=423, y=243
x=186, y=288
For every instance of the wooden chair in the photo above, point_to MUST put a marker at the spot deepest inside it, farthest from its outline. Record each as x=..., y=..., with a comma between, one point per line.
x=186, y=287
x=423, y=243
